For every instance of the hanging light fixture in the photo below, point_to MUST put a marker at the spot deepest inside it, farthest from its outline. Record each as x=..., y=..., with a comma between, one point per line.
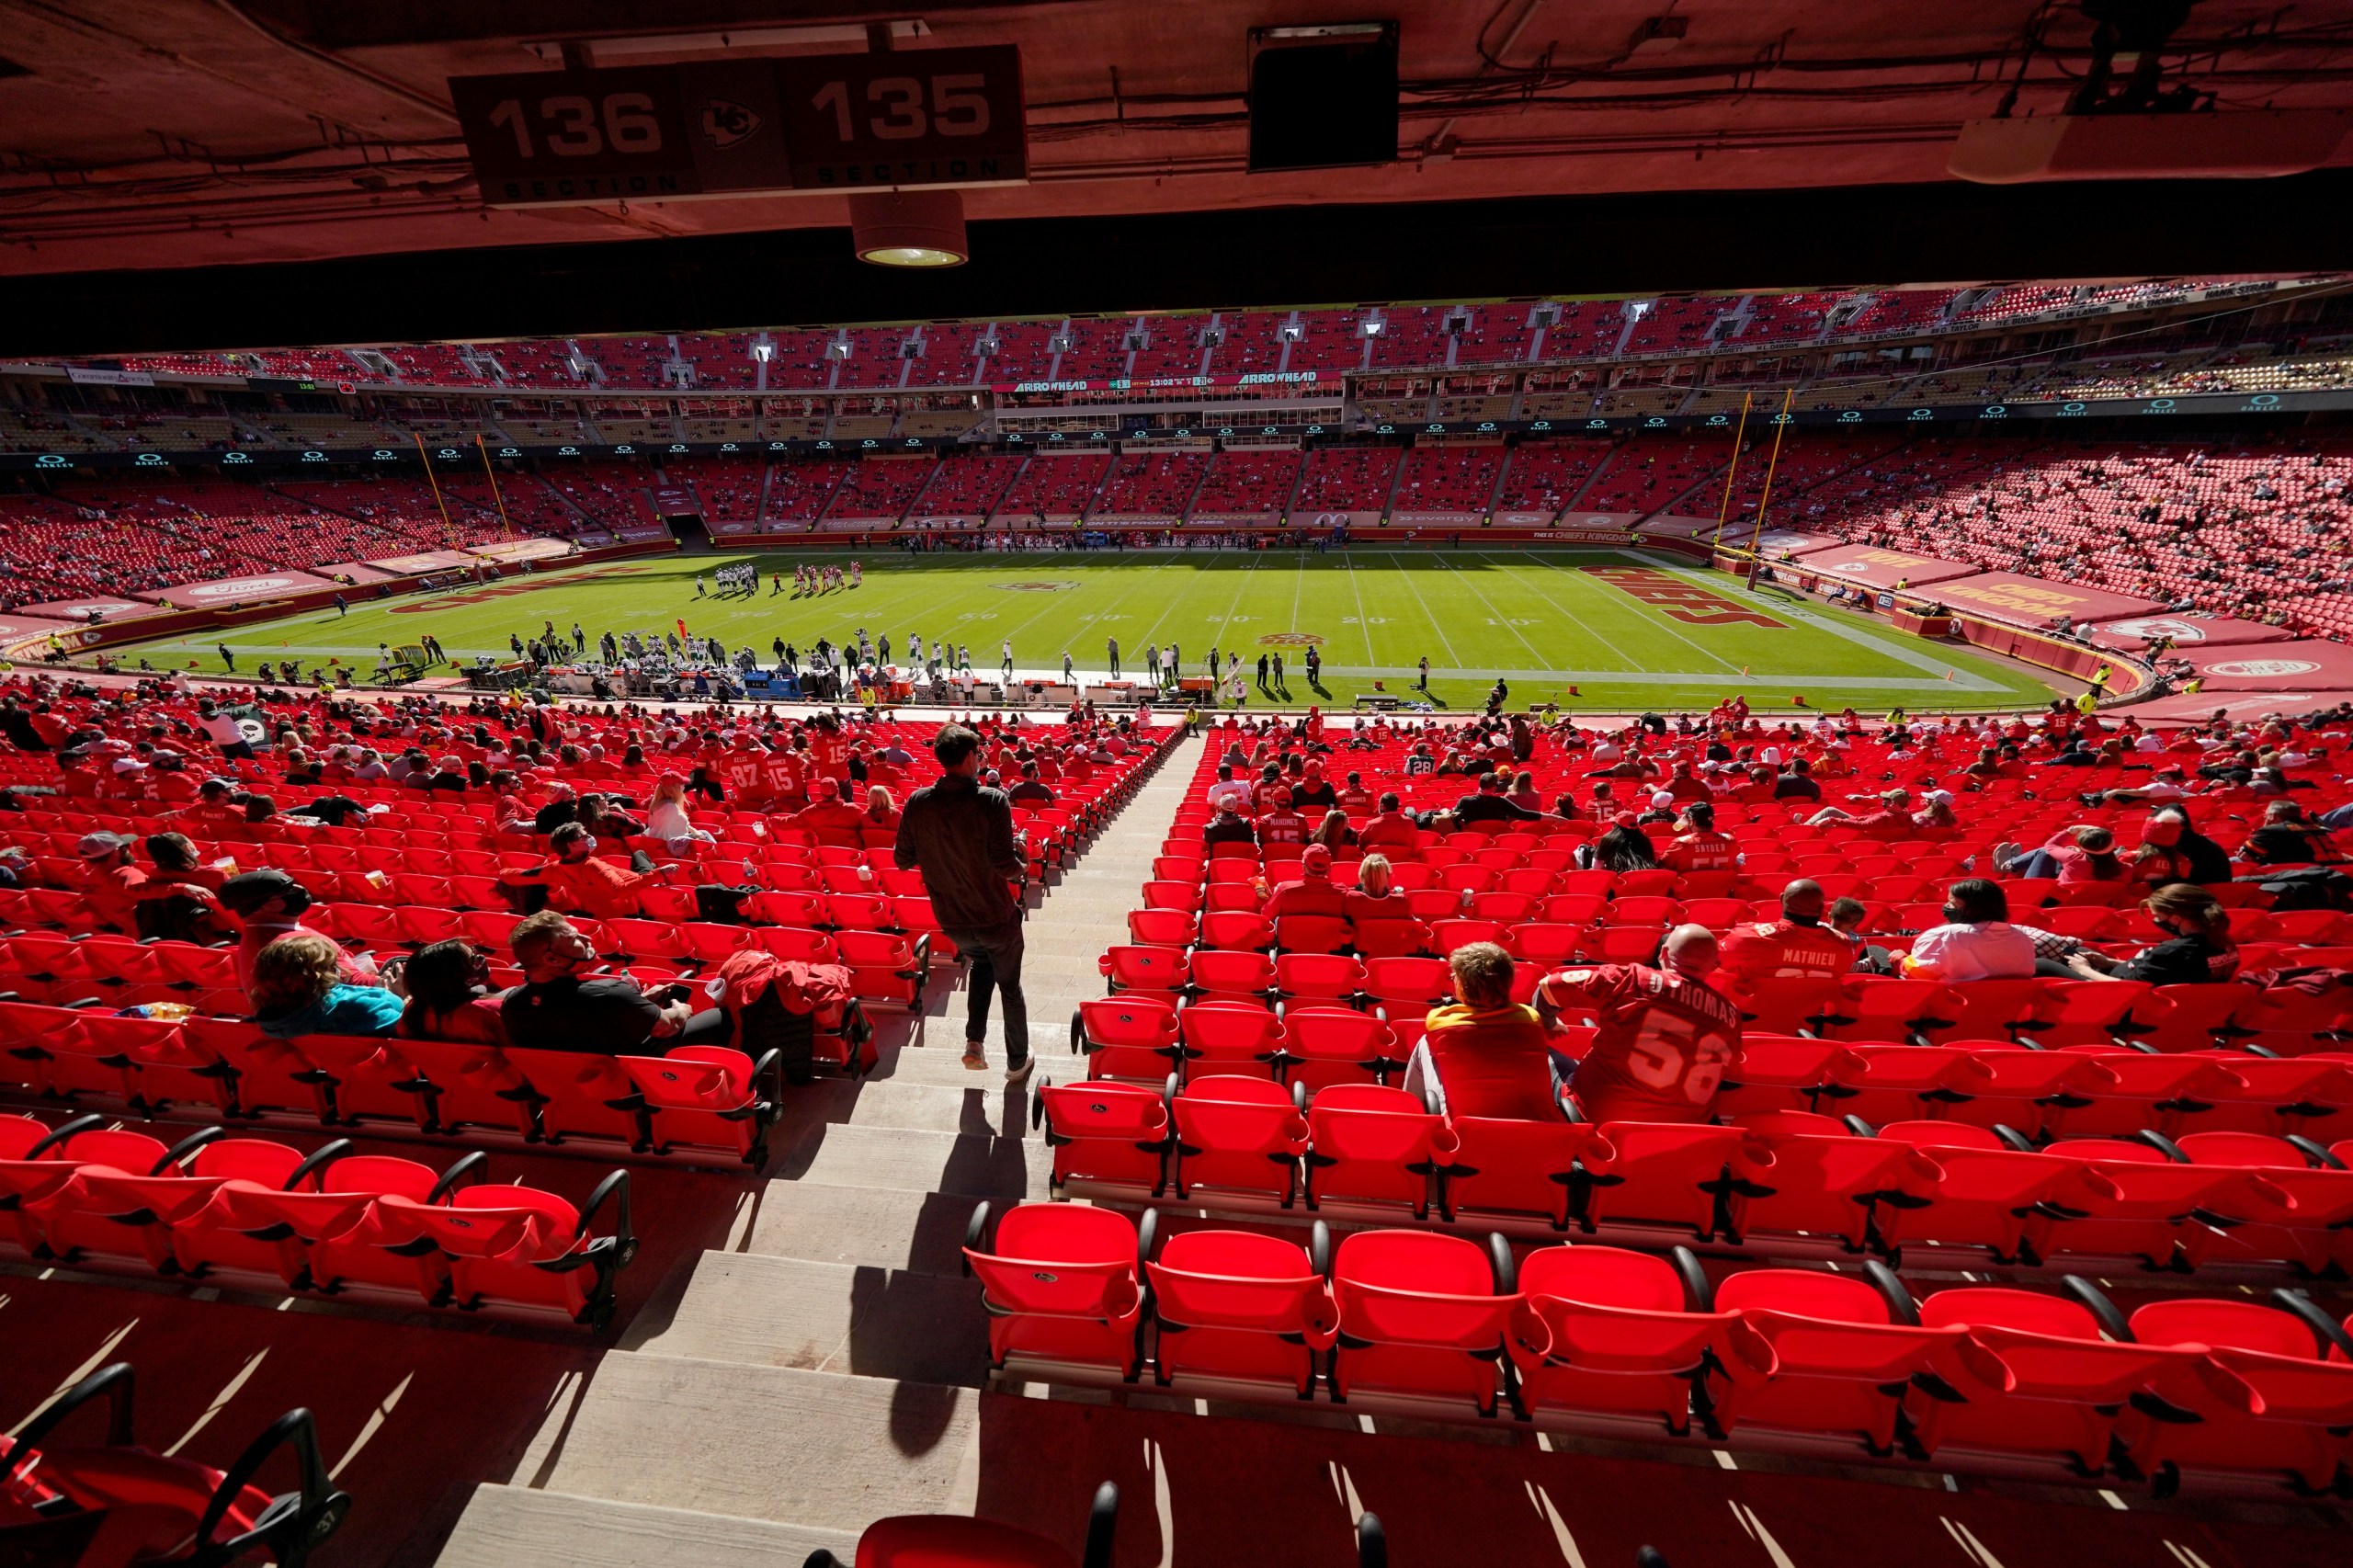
x=909, y=228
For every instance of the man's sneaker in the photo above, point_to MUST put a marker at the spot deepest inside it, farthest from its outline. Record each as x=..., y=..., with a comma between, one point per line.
x=1020, y=1074
x=974, y=1057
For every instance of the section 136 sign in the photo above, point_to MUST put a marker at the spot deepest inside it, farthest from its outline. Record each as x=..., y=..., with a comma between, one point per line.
x=823, y=122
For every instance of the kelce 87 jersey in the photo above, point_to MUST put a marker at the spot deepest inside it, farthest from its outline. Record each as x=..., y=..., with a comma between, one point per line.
x=1662, y=1046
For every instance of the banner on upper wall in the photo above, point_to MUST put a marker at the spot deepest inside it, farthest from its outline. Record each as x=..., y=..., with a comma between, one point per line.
x=2185, y=633
x=2035, y=601
x=2236, y=705
x=231, y=591
x=2305, y=665
x=1878, y=568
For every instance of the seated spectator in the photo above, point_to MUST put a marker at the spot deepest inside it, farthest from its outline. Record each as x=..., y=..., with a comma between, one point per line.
x=1389, y=826
x=268, y=904
x=2158, y=859
x=1280, y=823
x=579, y=882
x=1485, y=1055
x=1665, y=1035
x=1892, y=821
x=555, y=1009
x=1622, y=846
x=1229, y=826
x=1797, y=783
x=828, y=816
x=881, y=814
x=1312, y=894
x=563, y=806
x=2288, y=837
x=1333, y=832
x=667, y=820
x=2207, y=861
x=1032, y=790
x=1311, y=791
x=1700, y=847
x=1796, y=946
x=601, y=816
x=2197, y=949
x=1976, y=942
x=450, y=997
x=298, y=989
x=1375, y=901
x=179, y=902
x=1488, y=803
x=2086, y=853
x=110, y=882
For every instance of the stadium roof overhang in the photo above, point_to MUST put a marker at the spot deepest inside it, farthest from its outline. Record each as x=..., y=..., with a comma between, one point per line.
x=241, y=171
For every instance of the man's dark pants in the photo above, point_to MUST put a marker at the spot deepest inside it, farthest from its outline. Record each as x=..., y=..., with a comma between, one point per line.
x=996, y=955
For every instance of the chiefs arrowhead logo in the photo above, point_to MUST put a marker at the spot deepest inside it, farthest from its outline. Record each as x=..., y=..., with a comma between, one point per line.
x=728, y=123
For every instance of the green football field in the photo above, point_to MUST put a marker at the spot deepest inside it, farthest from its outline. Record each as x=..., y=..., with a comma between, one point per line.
x=1628, y=630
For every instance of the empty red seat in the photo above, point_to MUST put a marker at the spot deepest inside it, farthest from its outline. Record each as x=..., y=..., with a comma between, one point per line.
x=1372, y=1144
x=704, y=1098
x=1328, y=1045
x=1062, y=1284
x=1422, y=1317
x=1239, y=1307
x=1240, y=1134
x=1105, y=1131
x=1131, y=1037
x=2282, y=1407
x=1511, y=1169
x=1605, y=1329
x=515, y=1249
x=2067, y=1382
x=1156, y=971
x=1665, y=1174
x=1847, y=1347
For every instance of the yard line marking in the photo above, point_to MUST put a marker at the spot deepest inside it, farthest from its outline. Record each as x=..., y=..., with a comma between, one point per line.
x=1362, y=625
x=1970, y=1547
x=1299, y=586
x=98, y=1358
x=1223, y=625
x=1501, y=620
x=1756, y=1526
x=220, y=1400
x=1542, y=591
x=1425, y=611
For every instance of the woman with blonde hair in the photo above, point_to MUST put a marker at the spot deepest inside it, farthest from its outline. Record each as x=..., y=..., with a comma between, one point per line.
x=666, y=817
x=881, y=810
x=298, y=989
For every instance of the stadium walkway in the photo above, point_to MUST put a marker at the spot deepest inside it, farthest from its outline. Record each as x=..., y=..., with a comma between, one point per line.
x=821, y=1368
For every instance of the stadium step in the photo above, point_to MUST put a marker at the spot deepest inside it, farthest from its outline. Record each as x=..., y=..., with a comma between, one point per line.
x=817, y=1449
x=818, y=1317
x=966, y=1164
x=982, y=1105
x=868, y=1227
x=516, y=1526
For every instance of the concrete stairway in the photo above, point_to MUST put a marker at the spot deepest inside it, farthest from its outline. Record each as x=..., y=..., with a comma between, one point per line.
x=823, y=1368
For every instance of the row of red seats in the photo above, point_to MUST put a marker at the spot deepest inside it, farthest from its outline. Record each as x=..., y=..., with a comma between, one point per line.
x=255, y=1213
x=1794, y=1177
x=1627, y=1343
x=697, y=1103
x=105, y=1504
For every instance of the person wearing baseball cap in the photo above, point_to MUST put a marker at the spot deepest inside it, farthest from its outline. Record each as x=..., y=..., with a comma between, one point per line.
x=111, y=881
x=1312, y=894
x=268, y=905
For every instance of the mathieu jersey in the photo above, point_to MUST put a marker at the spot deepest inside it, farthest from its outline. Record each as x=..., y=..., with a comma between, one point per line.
x=1783, y=950
x=1662, y=1048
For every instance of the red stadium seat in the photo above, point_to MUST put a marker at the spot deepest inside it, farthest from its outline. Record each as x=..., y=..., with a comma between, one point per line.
x=1236, y=1306
x=517, y=1249
x=1237, y=1135
x=1062, y=1284
x=1129, y=1037
x=1422, y=1317
x=1605, y=1329
x=1369, y=1144
x=2282, y=1407
x=1104, y=1131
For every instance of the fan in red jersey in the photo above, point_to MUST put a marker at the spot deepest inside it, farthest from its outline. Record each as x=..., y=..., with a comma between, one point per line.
x=1666, y=1037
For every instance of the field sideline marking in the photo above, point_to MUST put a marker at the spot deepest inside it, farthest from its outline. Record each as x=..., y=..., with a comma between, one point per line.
x=1425, y=610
